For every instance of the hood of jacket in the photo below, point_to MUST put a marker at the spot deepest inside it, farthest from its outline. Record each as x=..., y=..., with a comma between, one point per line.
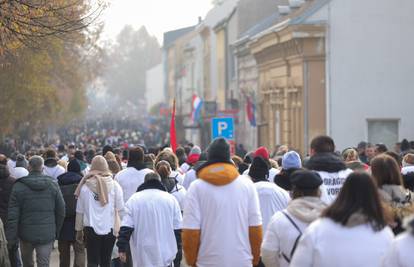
x=36, y=181
x=326, y=162
x=69, y=178
x=218, y=173
x=306, y=209
x=51, y=162
x=152, y=184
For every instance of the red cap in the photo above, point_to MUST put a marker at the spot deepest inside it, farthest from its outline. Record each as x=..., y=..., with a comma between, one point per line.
x=262, y=152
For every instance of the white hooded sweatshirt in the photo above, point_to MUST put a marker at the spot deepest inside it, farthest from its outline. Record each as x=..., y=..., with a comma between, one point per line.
x=326, y=243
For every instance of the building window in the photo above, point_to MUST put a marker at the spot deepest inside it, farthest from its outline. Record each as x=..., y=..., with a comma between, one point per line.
x=383, y=131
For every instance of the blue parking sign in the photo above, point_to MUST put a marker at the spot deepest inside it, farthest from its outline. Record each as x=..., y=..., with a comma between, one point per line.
x=222, y=127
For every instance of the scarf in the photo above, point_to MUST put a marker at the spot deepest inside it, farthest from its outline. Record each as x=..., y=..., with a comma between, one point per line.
x=98, y=182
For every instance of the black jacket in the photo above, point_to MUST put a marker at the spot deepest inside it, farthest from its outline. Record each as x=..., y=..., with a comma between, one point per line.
x=68, y=183
x=6, y=185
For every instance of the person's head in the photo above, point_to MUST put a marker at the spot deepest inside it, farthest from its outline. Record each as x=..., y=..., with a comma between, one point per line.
x=3, y=159
x=113, y=166
x=36, y=164
x=305, y=183
x=380, y=148
x=106, y=148
x=180, y=152
x=408, y=160
x=149, y=161
x=110, y=156
x=370, y=151
x=79, y=155
x=237, y=160
x=386, y=171
x=136, y=155
x=163, y=168
x=21, y=161
x=74, y=166
x=359, y=194
x=99, y=164
x=361, y=147
x=50, y=154
x=71, y=149
x=322, y=144
x=395, y=156
x=405, y=145
x=262, y=152
x=168, y=156
x=259, y=170
x=350, y=155
x=248, y=158
x=151, y=176
x=219, y=151
x=291, y=160
x=4, y=171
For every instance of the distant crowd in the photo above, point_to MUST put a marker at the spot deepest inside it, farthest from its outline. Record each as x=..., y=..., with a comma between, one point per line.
x=114, y=202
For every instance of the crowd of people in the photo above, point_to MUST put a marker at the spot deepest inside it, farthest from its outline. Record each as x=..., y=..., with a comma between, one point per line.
x=124, y=205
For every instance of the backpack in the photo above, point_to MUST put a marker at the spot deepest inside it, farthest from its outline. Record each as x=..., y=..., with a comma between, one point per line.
x=292, y=251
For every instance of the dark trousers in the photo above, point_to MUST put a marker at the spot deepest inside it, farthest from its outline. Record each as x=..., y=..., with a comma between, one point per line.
x=14, y=256
x=179, y=256
x=98, y=248
x=64, y=253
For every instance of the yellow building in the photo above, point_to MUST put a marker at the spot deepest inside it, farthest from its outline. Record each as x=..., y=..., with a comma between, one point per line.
x=291, y=60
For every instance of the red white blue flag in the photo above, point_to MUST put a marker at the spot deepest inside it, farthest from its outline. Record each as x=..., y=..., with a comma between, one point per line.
x=251, y=111
x=196, y=105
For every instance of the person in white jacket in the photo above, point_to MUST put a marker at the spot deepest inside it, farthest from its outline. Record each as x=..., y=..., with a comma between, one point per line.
x=286, y=227
x=272, y=198
x=353, y=231
x=401, y=252
x=152, y=215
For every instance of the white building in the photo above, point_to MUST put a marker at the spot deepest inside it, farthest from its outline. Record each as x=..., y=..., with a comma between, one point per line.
x=369, y=69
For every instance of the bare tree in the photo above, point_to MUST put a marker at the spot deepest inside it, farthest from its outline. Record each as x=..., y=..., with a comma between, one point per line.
x=27, y=22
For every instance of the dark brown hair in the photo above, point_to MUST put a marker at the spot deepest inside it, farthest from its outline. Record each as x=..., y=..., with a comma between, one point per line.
x=136, y=154
x=323, y=144
x=385, y=170
x=168, y=156
x=163, y=168
x=358, y=194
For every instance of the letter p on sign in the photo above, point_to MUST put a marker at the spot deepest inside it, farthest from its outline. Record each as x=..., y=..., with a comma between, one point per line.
x=222, y=126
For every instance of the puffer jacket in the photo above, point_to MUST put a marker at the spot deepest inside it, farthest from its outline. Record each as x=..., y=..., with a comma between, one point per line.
x=6, y=184
x=36, y=210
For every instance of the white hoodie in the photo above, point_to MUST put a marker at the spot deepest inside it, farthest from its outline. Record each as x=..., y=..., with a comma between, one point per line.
x=326, y=243
x=280, y=235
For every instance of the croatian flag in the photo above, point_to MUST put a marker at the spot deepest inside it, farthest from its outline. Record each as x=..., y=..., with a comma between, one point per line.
x=196, y=105
x=251, y=110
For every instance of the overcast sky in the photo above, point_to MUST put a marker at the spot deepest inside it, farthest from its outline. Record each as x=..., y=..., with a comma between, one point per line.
x=158, y=16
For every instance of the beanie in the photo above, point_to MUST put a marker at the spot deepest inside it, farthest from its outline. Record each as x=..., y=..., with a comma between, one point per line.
x=259, y=170
x=304, y=179
x=291, y=160
x=219, y=151
x=262, y=152
x=195, y=150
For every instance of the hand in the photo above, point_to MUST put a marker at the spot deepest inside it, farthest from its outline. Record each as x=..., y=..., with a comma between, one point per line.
x=123, y=257
x=79, y=237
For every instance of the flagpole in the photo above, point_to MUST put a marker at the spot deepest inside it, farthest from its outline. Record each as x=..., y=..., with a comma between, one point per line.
x=173, y=134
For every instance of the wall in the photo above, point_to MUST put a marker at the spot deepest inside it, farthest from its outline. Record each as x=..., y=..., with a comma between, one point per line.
x=154, y=86
x=369, y=66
